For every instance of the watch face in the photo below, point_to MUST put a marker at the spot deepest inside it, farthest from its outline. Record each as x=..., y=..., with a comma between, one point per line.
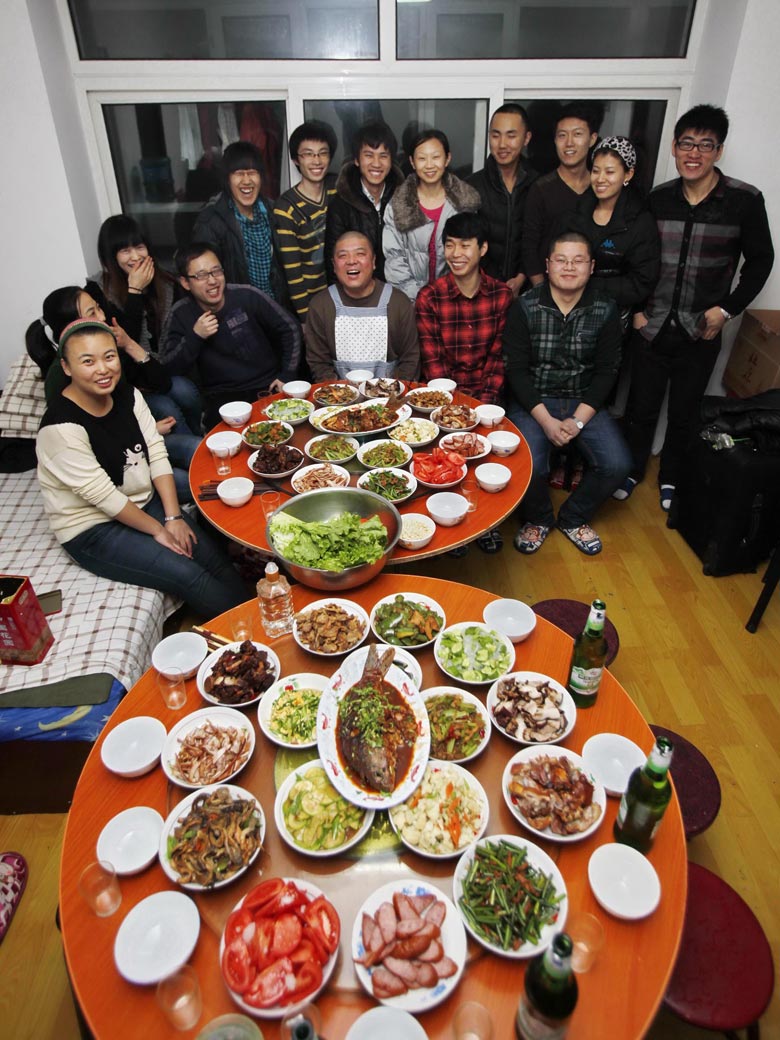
x=579, y=423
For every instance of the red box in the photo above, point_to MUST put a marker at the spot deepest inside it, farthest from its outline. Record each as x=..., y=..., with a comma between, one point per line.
x=25, y=636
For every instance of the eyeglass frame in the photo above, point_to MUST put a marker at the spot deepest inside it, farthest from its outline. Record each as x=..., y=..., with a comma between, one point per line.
x=323, y=153
x=203, y=276
x=706, y=146
x=567, y=261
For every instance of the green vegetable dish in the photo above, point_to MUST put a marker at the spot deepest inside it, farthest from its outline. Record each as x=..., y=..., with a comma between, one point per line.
x=474, y=654
x=289, y=408
x=332, y=449
x=385, y=455
x=457, y=727
x=407, y=622
x=389, y=485
x=267, y=433
x=344, y=540
x=294, y=715
x=505, y=900
x=316, y=816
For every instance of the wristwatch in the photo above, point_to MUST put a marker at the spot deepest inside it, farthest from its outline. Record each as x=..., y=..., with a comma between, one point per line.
x=725, y=313
x=578, y=423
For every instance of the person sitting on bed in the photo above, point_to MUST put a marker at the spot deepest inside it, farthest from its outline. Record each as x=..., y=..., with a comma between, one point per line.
x=107, y=484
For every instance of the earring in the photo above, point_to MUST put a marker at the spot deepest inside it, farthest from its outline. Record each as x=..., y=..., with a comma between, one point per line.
x=625, y=183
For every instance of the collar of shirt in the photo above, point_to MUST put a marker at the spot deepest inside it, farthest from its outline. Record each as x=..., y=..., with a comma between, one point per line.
x=453, y=290
x=376, y=203
x=258, y=211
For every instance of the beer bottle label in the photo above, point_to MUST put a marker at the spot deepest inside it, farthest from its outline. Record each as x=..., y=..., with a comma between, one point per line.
x=641, y=815
x=585, y=680
x=531, y=1024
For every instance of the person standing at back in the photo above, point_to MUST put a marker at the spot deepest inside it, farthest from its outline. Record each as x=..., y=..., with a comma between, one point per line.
x=503, y=187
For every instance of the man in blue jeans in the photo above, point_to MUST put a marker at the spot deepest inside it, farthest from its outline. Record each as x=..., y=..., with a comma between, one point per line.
x=562, y=350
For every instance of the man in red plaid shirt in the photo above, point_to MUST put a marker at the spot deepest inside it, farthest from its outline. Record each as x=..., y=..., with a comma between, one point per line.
x=461, y=316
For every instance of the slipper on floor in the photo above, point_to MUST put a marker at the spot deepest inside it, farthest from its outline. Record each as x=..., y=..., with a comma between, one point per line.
x=491, y=541
x=625, y=490
x=530, y=538
x=458, y=552
x=667, y=494
x=13, y=878
x=584, y=537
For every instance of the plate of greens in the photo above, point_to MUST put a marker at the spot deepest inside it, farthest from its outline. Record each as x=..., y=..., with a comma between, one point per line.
x=329, y=447
x=313, y=818
x=396, y=485
x=474, y=653
x=384, y=454
x=291, y=410
x=287, y=714
x=460, y=726
x=407, y=619
x=343, y=540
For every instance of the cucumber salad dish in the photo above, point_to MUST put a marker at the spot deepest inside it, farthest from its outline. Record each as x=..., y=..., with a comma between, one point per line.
x=473, y=652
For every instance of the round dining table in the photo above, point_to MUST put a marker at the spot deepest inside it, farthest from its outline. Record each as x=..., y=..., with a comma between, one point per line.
x=618, y=997
x=247, y=524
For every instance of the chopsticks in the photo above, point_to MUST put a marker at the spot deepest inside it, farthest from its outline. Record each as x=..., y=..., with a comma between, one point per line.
x=208, y=490
x=213, y=640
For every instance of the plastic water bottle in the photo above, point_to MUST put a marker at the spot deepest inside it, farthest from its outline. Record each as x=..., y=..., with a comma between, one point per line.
x=275, y=601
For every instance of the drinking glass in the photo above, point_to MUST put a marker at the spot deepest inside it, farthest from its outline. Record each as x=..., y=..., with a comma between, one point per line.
x=222, y=462
x=270, y=500
x=587, y=936
x=99, y=887
x=179, y=997
x=470, y=491
x=472, y=1021
x=172, y=688
x=241, y=627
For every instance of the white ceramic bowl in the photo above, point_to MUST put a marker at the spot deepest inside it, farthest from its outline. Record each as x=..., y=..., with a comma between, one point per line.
x=623, y=881
x=208, y=666
x=225, y=442
x=531, y=754
x=567, y=707
x=447, y=508
x=359, y=375
x=235, y=413
x=133, y=747
x=490, y=414
x=450, y=440
x=426, y=409
x=297, y=388
x=511, y=617
x=130, y=840
x=442, y=384
x=412, y=598
x=492, y=476
x=417, y=530
x=182, y=651
x=469, y=702
x=235, y=491
x=348, y=607
x=503, y=442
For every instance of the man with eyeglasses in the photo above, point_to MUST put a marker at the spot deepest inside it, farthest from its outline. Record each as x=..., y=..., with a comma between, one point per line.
x=239, y=341
x=706, y=221
x=562, y=351
x=301, y=211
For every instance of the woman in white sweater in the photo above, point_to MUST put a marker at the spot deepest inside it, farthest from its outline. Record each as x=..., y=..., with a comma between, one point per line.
x=108, y=487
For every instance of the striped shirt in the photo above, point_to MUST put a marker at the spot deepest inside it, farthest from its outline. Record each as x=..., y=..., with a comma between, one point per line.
x=300, y=234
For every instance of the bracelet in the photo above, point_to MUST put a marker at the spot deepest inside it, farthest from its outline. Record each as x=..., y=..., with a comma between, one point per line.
x=145, y=359
x=131, y=289
x=177, y=517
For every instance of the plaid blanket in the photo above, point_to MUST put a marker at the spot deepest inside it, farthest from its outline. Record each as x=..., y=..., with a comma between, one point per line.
x=104, y=626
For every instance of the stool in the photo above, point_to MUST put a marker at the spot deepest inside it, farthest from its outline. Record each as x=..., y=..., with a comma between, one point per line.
x=571, y=615
x=696, y=782
x=724, y=975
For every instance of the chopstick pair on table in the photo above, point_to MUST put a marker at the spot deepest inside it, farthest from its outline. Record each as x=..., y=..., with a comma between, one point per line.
x=208, y=490
x=213, y=640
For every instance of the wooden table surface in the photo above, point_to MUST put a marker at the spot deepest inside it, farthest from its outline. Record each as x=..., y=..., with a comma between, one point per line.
x=618, y=997
x=247, y=524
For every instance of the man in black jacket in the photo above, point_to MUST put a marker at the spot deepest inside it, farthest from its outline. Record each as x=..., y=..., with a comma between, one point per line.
x=502, y=186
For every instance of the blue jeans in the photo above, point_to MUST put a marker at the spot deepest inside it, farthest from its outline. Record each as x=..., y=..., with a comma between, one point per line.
x=181, y=447
x=182, y=402
x=207, y=583
x=607, y=458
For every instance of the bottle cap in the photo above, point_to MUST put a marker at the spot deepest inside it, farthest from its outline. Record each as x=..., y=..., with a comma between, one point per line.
x=271, y=570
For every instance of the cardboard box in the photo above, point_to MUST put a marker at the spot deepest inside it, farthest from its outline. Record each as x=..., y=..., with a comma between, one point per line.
x=754, y=363
x=25, y=636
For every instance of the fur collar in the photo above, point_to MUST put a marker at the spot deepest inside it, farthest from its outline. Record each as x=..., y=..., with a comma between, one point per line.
x=406, y=206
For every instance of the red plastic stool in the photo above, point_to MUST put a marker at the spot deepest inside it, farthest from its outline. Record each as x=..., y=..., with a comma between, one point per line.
x=571, y=615
x=724, y=975
x=696, y=782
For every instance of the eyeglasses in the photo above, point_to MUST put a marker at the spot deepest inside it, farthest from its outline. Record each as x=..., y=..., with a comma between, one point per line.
x=687, y=144
x=203, y=276
x=565, y=261
x=323, y=154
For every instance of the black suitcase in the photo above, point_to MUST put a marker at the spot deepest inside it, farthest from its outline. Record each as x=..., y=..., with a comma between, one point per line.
x=728, y=507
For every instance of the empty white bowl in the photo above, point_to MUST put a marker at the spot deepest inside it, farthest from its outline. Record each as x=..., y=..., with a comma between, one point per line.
x=510, y=617
x=417, y=530
x=226, y=441
x=447, y=508
x=133, y=747
x=448, y=385
x=503, y=442
x=236, y=413
x=297, y=388
x=235, y=491
x=623, y=881
x=359, y=375
x=183, y=651
x=492, y=476
x=489, y=414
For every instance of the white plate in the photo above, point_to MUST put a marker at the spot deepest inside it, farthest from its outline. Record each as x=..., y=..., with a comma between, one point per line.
x=553, y=751
x=365, y=448
x=327, y=969
x=354, y=395
x=346, y=442
x=409, y=597
x=453, y=940
x=412, y=396
x=284, y=832
x=341, y=681
x=538, y=859
x=363, y=481
x=156, y=938
x=299, y=681
x=403, y=660
x=129, y=841
x=316, y=418
x=207, y=668
x=472, y=422
x=275, y=476
x=339, y=477
x=447, y=445
x=288, y=430
x=368, y=383
x=133, y=747
x=180, y=811
x=345, y=604
x=456, y=773
x=568, y=706
x=612, y=758
x=276, y=410
x=386, y=1023
x=474, y=702
x=439, y=486
x=222, y=717
x=416, y=433
x=623, y=881
x=501, y=666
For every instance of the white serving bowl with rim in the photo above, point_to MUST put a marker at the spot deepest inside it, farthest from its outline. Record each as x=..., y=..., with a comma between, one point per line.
x=297, y=388
x=370, y=388
x=346, y=605
x=510, y=616
x=348, y=445
x=339, y=477
x=288, y=684
x=503, y=442
x=500, y=652
x=439, y=486
x=359, y=375
x=471, y=421
x=567, y=706
x=275, y=476
x=180, y=652
x=235, y=491
x=292, y=410
x=409, y=597
x=492, y=476
x=447, y=508
x=364, y=481
x=211, y=661
x=288, y=433
x=417, y=530
x=221, y=718
x=449, y=441
x=224, y=443
x=448, y=385
x=414, y=395
x=345, y=390
x=470, y=703
x=235, y=413
x=490, y=414
x=415, y=432
x=366, y=448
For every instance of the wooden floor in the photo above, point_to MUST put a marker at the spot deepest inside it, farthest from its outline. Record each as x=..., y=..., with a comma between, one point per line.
x=685, y=658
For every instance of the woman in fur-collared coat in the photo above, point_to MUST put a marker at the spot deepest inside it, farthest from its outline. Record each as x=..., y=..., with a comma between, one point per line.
x=415, y=218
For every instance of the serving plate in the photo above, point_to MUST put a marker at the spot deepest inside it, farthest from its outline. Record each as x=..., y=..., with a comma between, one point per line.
x=156, y=937
x=209, y=664
x=346, y=442
x=438, y=486
x=275, y=476
x=321, y=393
x=317, y=418
x=414, y=396
x=472, y=422
x=288, y=431
x=412, y=598
x=299, y=681
x=339, y=477
x=442, y=772
x=364, y=481
x=567, y=706
x=221, y=717
x=446, y=445
x=503, y=663
x=474, y=702
x=416, y=432
x=346, y=605
x=279, y=410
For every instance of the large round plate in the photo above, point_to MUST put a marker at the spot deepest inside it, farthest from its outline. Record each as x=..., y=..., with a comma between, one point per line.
x=338, y=476
x=299, y=681
x=180, y=811
x=415, y=395
x=416, y=433
x=473, y=702
x=320, y=395
x=222, y=717
x=369, y=389
x=623, y=881
x=567, y=706
x=290, y=410
x=317, y=418
x=341, y=681
x=472, y=422
x=386, y=1023
x=288, y=432
x=349, y=445
x=409, y=597
x=439, y=486
x=275, y=476
x=453, y=940
x=327, y=969
x=552, y=751
x=446, y=443
x=403, y=660
x=538, y=859
x=156, y=938
x=284, y=832
x=502, y=662
x=444, y=772
x=133, y=747
x=347, y=605
x=129, y=841
x=612, y=758
x=207, y=668
x=364, y=481
x=368, y=446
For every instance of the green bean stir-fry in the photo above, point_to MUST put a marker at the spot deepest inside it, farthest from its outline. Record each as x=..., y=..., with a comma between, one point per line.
x=457, y=727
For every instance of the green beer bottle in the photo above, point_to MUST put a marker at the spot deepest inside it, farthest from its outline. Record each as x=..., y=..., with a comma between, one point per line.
x=550, y=996
x=645, y=798
x=588, y=657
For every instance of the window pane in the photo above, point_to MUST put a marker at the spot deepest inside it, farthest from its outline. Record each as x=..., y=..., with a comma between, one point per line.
x=260, y=29
x=166, y=159
x=543, y=28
